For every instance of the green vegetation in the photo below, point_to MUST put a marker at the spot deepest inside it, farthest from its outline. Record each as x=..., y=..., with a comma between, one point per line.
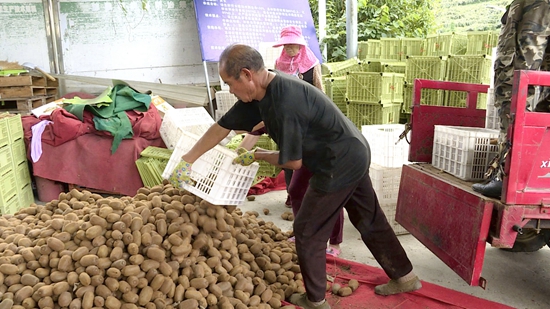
x=406, y=18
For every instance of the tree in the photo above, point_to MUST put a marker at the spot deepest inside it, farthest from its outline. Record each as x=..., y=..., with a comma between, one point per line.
x=376, y=19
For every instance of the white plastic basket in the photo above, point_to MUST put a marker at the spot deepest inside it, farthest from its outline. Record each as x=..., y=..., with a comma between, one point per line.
x=195, y=120
x=492, y=120
x=269, y=53
x=382, y=140
x=225, y=100
x=385, y=181
x=464, y=152
x=389, y=211
x=217, y=179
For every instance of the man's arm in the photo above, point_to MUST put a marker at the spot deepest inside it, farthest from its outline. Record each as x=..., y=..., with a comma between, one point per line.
x=272, y=157
x=211, y=138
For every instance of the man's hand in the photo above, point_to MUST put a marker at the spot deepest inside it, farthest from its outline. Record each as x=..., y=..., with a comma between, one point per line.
x=181, y=175
x=245, y=157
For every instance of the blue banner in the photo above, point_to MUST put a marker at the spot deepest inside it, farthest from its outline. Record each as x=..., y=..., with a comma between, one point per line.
x=224, y=22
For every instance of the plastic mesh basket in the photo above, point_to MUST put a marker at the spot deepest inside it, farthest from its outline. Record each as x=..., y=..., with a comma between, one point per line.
x=424, y=67
x=373, y=49
x=341, y=68
x=335, y=89
x=6, y=160
x=388, y=150
x=266, y=169
x=157, y=153
x=22, y=175
x=480, y=42
x=464, y=152
x=194, y=120
x=390, y=49
x=225, y=100
x=217, y=179
x=369, y=87
x=18, y=151
x=446, y=44
x=367, y=113
x=413, y=47
x=362, y=50
x=15, y=127
x=8, y=188
x=469, y=69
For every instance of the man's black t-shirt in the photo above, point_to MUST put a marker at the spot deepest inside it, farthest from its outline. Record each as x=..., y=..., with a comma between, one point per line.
x=306, y=125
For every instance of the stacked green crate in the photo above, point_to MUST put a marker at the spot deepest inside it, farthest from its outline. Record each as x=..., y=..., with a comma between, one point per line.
x=475, y=69
x=151, y=164
x=423, y=67
x=412, y=47
x=390, y=49
x=335, y=89
x=266, y=169
x=15, y=184
x=446, y=44
x=370, y=98
x=340, y=68
x=480, y=42
x=373, y=49
x=362, y=50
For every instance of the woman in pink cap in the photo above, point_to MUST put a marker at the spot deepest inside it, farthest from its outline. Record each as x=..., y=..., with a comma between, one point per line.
x=296, y=58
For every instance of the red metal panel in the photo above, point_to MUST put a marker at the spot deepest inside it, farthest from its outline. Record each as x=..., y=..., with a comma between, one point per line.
x=425, y=117
x=449, y=219
x=528, y=162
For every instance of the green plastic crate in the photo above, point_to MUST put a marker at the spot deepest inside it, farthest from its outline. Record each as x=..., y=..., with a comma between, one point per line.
x=397, y=85
x=362, y=50
x=150, y=170
x=373, y=49
x=458, y=99
x=26, y=197
x=480, y=42
x=9, y=206
x=371, y=65
x=390, y=49
x=341, y=68
x=6, y=160
x=369, y=87
x=22, y=175
x=366, y=113
x=18, y=152
x=157, y=153
x=8, y=186
x=413, y=47
x=474, y=69
x=266, y=169
x=446, y=44
x=394, y=67
x=428, y=97
x=15, y=127
x=4, y=132
x=425, y=67
x=335, y=89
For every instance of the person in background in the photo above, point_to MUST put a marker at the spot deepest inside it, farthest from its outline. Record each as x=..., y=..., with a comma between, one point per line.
x=297, y=59
x=310, y=131
x=522, y=45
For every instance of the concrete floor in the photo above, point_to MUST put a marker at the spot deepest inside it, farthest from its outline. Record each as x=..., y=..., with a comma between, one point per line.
x=519, y=280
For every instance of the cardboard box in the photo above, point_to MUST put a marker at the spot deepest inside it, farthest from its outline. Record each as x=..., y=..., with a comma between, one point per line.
x=161, y=105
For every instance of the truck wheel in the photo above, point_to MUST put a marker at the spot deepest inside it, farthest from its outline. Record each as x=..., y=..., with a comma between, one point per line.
x=529, y=241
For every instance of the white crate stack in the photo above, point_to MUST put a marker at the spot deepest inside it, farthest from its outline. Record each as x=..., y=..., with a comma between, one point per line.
x=224, y=101
x=217, y=179
x=269, y=53
x=388, y=154
x=464, y=152
x=492, y=120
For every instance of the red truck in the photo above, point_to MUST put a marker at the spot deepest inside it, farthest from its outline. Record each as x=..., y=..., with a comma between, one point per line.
x=445, y=214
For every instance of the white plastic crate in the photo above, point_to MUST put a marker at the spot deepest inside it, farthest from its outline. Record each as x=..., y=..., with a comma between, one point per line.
x=382, y=140
x=195, y=120
x=217, y=179
x=385, y=181
x=492, y=120
x=389, y=211
x=269, y=53
x=225, y=100
x=464, y=152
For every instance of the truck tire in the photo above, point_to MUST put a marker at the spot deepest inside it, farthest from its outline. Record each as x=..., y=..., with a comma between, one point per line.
x=529, y=241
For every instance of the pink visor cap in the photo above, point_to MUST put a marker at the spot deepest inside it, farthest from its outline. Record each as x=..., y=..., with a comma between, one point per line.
x=291, y=35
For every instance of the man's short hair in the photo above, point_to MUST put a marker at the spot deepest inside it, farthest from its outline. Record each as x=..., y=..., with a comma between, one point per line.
x=236, y=57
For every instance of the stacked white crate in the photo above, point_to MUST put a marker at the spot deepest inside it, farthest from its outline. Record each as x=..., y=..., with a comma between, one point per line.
x=492, y=120
x=224, y=101
x=388, y=154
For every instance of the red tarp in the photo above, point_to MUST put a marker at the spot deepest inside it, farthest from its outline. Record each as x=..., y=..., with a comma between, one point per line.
x=429, y=296
x=268, y=184
x=74, y=152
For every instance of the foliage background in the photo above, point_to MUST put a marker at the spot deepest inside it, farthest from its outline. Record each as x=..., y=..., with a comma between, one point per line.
x=406, y=18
